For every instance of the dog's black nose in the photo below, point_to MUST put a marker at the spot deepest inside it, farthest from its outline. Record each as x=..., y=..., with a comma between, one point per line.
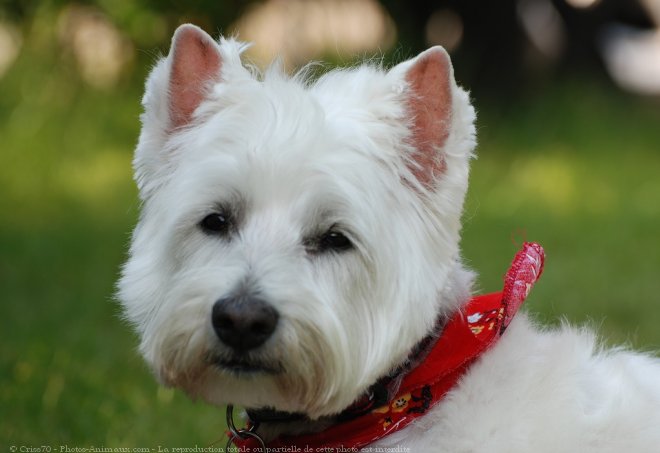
x=243, y=322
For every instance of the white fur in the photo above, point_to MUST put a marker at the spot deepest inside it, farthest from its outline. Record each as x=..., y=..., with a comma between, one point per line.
x=296, y=157
x=546, y=391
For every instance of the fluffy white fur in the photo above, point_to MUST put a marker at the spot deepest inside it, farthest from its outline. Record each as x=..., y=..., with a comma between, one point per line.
x=295, y=157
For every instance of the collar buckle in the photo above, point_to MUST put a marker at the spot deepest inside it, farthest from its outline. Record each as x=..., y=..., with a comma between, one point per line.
x=241, y=433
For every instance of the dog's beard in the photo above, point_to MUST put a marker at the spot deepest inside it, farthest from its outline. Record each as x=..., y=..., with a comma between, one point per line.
x=299, y=370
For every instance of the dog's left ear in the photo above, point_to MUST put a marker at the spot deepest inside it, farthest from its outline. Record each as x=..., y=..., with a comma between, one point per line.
x=195, y=62
x=428, y=80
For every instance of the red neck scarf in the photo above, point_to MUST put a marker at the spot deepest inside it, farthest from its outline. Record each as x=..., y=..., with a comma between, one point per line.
x=471, y=331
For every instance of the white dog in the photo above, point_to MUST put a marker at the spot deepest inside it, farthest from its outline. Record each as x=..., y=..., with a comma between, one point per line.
x=298, y=255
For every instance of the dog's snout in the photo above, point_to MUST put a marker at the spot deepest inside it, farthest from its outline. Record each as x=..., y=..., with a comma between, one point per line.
x=243, y=323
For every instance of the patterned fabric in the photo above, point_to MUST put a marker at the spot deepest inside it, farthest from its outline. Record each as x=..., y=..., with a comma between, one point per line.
x=465, y=337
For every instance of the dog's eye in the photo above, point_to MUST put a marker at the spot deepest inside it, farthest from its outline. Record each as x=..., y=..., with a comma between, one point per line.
x=334, y=241
x=216, y=223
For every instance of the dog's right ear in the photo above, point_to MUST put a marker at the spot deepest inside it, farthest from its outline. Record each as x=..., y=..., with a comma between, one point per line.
x=175, y=89
x=195, y=63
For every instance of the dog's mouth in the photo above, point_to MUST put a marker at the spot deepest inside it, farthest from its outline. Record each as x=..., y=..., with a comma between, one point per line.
x=240, y=366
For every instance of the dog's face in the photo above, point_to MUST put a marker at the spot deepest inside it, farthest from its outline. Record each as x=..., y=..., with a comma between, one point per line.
x=296, y=238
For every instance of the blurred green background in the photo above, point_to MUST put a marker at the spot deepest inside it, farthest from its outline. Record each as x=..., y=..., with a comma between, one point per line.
x=566, y=158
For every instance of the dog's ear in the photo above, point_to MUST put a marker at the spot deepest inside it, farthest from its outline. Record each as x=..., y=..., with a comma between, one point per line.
x=195, y=62
x=175, y=88
x=428, y=80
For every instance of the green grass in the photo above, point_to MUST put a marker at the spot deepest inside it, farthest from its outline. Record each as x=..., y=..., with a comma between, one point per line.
x=575, y=168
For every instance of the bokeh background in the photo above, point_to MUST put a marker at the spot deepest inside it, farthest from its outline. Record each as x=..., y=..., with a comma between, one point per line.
x=569, y=125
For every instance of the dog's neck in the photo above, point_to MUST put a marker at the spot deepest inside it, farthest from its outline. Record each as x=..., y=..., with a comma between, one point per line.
x=272, y=423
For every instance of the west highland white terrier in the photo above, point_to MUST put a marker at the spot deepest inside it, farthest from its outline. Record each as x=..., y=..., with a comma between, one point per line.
x=297, y=254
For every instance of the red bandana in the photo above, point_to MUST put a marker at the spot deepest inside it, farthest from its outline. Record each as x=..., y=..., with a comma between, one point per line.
x=468, y=334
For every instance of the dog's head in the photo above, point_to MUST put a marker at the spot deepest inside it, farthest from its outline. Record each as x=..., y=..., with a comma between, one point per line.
x=297, y=237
